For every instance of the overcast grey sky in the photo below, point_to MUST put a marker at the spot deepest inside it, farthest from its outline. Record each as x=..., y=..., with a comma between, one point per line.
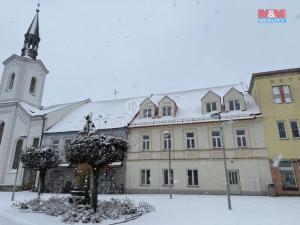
x=141, y=47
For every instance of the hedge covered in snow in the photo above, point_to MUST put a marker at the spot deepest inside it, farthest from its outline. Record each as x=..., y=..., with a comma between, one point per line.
x=71, y=213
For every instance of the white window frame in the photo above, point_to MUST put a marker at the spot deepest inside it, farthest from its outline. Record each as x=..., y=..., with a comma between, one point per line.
x=242, y=137
x=286, y=132
x=55, y=146
x=172, y=177
x=216, y=138
x=235, y=103
x=145, y=142
x=32, y=141
x=190, y=140
x=210, y=108
x=147, y=113
x=144, y=180
x=193, y=178
x=290, y=169
x=277, y=96
x=167, y=142
x=297, y=122
x=166, y=111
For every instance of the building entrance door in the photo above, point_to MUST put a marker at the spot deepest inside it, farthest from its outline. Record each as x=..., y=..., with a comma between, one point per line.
x=234, y=182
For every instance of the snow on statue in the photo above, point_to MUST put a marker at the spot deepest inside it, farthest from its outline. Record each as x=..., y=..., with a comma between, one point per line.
x=97, y=151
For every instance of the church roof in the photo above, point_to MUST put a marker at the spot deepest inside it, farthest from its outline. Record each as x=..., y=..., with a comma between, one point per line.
x=106, y=115
x=34, y=26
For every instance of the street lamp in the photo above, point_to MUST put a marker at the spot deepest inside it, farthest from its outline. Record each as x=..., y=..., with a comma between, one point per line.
x=218, y=117
x=167, y=136
x=22, y=136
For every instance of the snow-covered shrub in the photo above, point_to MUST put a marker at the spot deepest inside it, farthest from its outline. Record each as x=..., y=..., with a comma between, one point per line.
x=97, y=151
x=72, y=213
x=40, y=159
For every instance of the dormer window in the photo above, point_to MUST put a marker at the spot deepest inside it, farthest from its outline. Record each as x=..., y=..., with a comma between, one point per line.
x=147, y=113
x=211, y=106
x=32, y=85
x=11, y=82
x=234, y=105
x=166, y=111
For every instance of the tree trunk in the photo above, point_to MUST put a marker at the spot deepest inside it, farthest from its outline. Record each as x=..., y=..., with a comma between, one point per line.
x=42, y=178
x=96, y=173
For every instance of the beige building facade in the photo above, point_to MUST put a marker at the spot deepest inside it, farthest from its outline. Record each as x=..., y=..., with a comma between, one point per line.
x=195, y=142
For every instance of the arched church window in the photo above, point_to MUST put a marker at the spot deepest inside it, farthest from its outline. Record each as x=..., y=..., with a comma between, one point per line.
x=1, y=130
x=32, y=85
x=11, y=81
x=18, y=153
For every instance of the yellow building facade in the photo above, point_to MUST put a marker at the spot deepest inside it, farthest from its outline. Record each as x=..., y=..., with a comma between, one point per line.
x=277, y=93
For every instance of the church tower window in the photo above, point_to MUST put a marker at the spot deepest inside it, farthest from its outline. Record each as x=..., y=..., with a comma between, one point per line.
x=11, y=81
x=18, y=153
x=32, y=85
x=1, y=130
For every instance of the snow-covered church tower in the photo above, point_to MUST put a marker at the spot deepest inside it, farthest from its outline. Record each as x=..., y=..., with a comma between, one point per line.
x=21, y=92
x=24, y=76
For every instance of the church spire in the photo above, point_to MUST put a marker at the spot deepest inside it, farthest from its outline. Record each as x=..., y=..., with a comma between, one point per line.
x=32, y=38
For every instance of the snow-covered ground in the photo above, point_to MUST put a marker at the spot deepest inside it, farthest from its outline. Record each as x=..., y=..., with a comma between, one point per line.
x=182, y=210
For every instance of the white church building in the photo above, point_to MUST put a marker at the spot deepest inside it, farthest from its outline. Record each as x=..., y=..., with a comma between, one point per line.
x=193, y=137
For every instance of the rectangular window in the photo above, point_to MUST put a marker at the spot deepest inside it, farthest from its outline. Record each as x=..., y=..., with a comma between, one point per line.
x=281, y=129
x=287, y=175
x=167, y=141
x=167, y=111
x=145, y=177
x=67, y=141
x=192, y=177
x=241, y=138
x=146, y=142
x=190, y=140
x=282, y=94
x=211, y=106
x=35, y=142
x=234, y=105
x=295, y=128
x=55, y=144
x=216, y=139
x=166, y=176
x=147, y=113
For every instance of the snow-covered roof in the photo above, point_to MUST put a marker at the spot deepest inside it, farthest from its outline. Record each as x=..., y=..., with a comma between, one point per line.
x=106, y=114
x=189, y=106
x=120, y=112
x=34, y=111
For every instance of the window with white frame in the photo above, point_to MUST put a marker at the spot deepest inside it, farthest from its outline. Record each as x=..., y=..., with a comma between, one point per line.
x=166, y=111
x=146, y=142
x=67, y=141
x=167, y=141
x=147, y=113
x=192, y=177
x=281, y=129
x=35, y=142
x=166, y=177
x=295, y=128
x=234, y=105
x=241, y=138
x=145, y=177
x=282, y=94
x=211, y=106
x=55, y=144
x=216, y=139
x=190, y=140
x=287, y=175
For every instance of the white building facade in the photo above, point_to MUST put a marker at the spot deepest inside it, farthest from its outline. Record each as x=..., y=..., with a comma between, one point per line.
x=195, y=143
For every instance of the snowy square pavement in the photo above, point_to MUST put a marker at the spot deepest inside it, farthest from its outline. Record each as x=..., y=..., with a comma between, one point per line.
x=182, y=210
